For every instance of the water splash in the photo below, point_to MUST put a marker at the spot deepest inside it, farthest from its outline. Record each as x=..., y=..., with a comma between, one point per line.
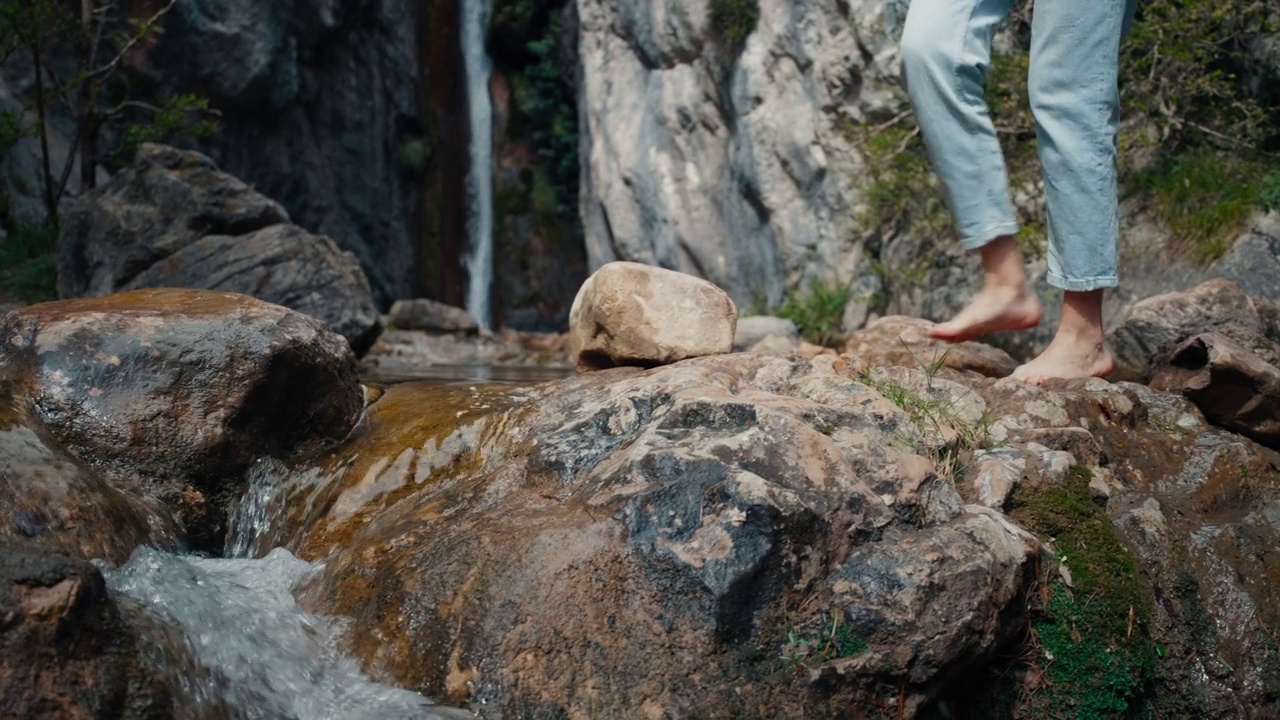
x=254, y=649
x=475, y=22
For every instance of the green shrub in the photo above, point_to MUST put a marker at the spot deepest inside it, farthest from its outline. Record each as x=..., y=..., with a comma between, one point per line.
x=818, y=311
x=27, y=264
x=1269, y=196
x=1204, y=195
x=544, y=108
x=732, y=21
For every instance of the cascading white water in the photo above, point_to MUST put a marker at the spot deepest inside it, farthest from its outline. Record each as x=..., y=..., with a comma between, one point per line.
x=475, y=21
x=252, y=653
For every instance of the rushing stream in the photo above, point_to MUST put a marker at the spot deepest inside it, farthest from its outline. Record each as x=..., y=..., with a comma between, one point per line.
x=251, y=651
x=257, y=654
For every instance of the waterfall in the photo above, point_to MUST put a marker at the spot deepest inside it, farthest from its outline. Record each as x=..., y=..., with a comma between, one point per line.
x=475, y=23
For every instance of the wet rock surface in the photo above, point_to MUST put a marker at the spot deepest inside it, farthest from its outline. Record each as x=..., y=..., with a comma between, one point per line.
x=179, y=391
x=173, y=219
x=683, y=512
x=66, y=648
x=58, y=501
x=633, y=314
x=799, y=534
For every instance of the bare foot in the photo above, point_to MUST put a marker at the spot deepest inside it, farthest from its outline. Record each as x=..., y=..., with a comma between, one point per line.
x=1067, y=357
x=993, y=309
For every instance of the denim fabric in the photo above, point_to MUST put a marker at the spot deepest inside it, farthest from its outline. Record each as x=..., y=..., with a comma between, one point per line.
x=1075, y=48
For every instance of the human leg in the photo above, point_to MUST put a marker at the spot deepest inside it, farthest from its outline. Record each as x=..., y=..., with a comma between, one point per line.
x=946, y=48
x=1075, y=51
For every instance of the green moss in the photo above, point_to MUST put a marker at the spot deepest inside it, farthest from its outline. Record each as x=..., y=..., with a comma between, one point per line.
x=733, y=21
x=1095, y=656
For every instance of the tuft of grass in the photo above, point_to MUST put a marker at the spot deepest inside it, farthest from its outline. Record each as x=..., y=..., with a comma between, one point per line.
x=1095, y=655
x=27, y=263
x=818, y=312
x=1205, y=196
x=835, y=639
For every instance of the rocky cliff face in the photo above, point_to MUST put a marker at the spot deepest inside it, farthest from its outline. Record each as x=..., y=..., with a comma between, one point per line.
x=318, y=99
x=736, y=165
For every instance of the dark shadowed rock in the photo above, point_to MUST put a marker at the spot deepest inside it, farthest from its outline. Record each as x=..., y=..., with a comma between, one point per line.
x=182, y=389
x=432, y=316
x=67, y=651
x=173, y=219
x=632, y=314
x=1217, y=306
x=320, y=101
x=165, y=201
x=1234, y=387
x=281, y=264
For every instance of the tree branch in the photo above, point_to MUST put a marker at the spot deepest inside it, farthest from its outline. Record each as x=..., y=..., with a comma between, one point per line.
x=97, y=74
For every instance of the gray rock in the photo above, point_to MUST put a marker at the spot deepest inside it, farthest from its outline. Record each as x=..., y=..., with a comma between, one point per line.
x=714, y=495
x=319, y=98
x=282, y=264
x=752, y=330
x=737, y=169
x=173, y=219
x=432, y=316
x=994, y=474
x=165, y=201
x=1253, y=262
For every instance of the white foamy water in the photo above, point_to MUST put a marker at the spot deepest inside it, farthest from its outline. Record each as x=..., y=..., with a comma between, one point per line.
x=255, y=650
x=475, y=21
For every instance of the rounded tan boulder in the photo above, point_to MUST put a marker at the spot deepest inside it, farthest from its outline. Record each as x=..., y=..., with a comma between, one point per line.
x=633, y=314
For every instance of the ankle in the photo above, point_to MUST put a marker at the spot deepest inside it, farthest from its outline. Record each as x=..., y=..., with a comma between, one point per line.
x=1002, y=264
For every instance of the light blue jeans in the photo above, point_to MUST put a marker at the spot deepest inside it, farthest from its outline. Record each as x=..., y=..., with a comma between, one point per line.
x=1075, y=49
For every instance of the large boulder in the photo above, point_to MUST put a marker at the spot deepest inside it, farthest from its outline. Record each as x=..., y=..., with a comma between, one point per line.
x=632, y=314
x=166, y=200
x=723, y=528
x=282, y=264
x=747, y=535
x=174, y=219
x=181, y=390
x=1218, y=306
